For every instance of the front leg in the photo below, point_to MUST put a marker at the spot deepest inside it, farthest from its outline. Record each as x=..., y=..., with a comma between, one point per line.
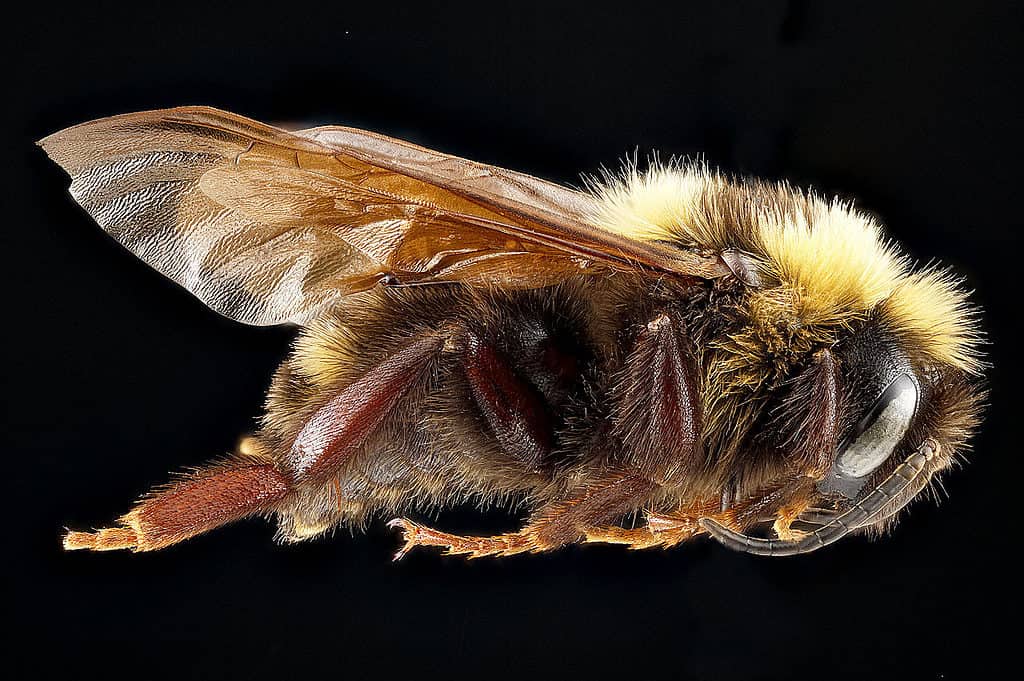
x=784, y=502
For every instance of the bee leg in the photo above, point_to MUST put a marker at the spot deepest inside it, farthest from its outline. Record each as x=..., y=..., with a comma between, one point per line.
x=212, y=496
x=785, y=503
x=818, y=386
x=251, y=482
x=658, y=417
x=786, y=516
x=513, y=409
x=340, y=427
x=660, y=531
x=633, y=538
x=566, y=521
x=657, y=410
x=414, y=534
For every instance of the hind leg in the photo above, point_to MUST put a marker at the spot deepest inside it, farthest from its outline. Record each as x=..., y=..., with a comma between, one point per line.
x=251, y=482
x=208, y=498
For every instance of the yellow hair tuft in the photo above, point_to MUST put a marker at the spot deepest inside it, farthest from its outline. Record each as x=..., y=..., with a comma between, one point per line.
x=833, y=260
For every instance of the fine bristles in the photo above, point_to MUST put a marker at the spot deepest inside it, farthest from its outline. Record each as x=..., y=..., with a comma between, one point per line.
x=832, y=257
x=650, y=205
x=933, y=305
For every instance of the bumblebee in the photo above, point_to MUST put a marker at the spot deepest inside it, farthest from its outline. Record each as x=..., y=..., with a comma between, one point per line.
x=703, y=354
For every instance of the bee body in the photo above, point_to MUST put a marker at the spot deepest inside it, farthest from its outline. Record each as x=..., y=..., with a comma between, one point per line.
x=710, y=353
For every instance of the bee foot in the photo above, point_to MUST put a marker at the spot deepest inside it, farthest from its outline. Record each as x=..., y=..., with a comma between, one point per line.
x=410, y=532
x=107, y=539
x=414, y=534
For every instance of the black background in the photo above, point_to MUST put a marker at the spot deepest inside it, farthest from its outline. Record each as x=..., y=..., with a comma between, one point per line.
x=113, y=376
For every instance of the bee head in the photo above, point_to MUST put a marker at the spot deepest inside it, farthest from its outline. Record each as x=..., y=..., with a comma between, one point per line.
x=895, y=399
x=867, y=426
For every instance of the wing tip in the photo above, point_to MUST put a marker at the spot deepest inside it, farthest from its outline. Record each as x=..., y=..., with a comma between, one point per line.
x=64, y=145
x=55, y=148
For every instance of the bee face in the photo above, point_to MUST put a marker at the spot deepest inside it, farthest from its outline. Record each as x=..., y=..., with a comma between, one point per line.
x=883, y=396
x=893, y=405
x=868, y=404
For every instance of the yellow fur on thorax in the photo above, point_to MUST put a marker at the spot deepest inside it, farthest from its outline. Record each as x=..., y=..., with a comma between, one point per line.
x=825, y=264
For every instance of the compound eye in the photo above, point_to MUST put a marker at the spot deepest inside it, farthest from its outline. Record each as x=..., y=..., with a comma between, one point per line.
x=878, y=433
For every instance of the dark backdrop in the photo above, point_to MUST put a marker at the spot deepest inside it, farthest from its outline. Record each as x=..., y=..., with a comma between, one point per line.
x=113, y=376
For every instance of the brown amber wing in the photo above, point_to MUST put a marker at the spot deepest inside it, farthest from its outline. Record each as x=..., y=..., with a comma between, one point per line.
x=267, y=226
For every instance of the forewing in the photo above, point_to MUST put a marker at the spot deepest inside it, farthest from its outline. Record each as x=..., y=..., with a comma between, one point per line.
x=540, y=211
x=267, y=226
x=529, y=196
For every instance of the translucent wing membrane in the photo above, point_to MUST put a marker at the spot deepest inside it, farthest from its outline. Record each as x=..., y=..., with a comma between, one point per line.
x=266, y=226
x=516, y=192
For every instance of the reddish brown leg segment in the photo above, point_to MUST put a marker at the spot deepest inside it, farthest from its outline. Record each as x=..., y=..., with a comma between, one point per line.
x=337, y=430
x=657, y=402
x=207, y=499
x=515, y=412
x=225, y=492
x=817, y=395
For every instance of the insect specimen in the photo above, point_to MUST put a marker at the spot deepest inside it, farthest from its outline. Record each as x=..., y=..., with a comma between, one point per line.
x=691, y=352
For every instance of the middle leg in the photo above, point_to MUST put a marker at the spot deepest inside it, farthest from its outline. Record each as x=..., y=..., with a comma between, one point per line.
x=656, y=417
x=563, y=522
